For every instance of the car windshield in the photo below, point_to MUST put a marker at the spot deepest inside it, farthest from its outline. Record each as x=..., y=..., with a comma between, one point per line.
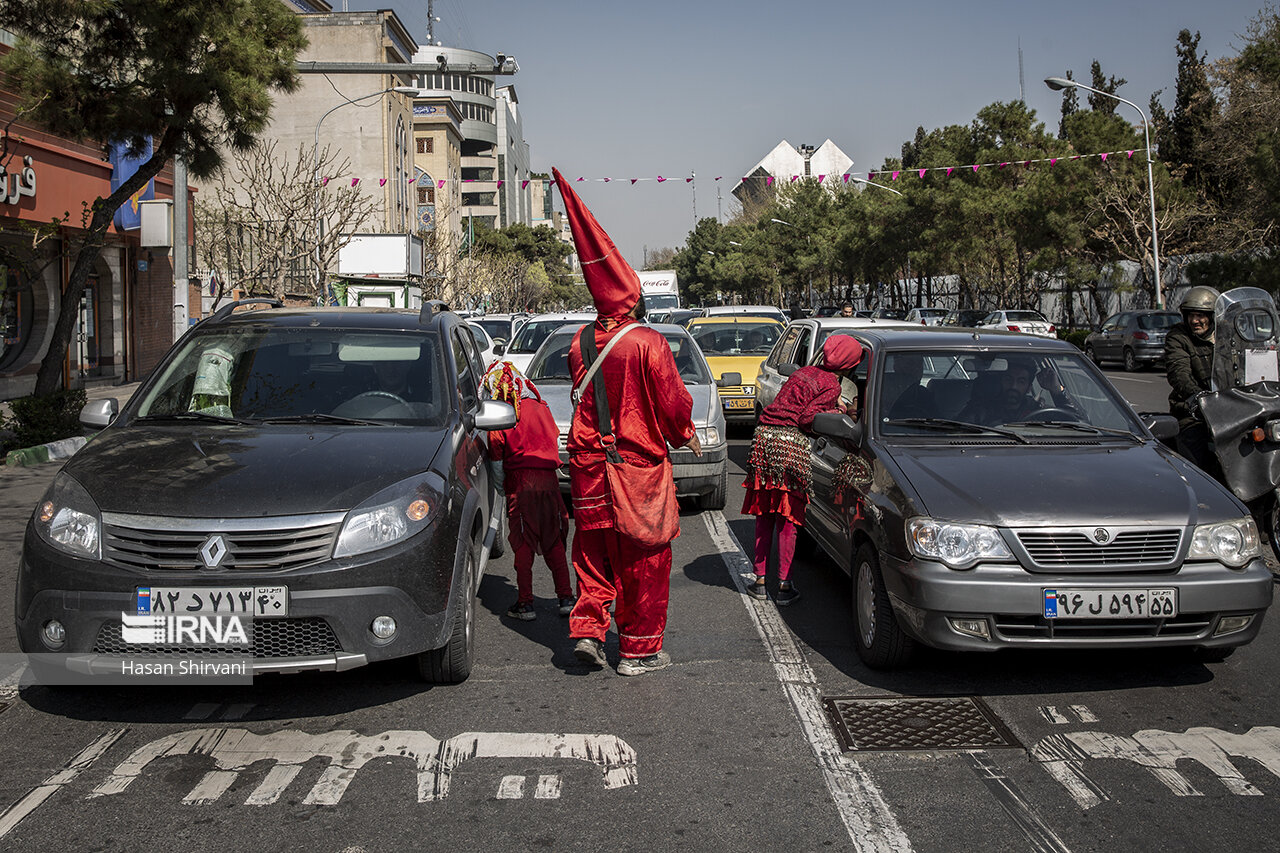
x=935, y=392
x=654, y=301
x=1151, y=322
x=1025, y=317
x=551, y=365
x=741, y=338
x=268, y=374
x=533, y=333
x=497, y=329
x=482, y=340
x=932, y=312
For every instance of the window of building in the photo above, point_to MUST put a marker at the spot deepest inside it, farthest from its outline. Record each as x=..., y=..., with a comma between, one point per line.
x=426, y=144
x=15, y=315
x=426, y=195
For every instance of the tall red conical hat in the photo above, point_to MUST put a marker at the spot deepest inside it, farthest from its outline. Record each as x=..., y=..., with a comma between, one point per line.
x=614, y=285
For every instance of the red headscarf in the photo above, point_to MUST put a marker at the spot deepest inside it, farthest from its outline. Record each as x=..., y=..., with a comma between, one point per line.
x=614, y=285
x=841, y=352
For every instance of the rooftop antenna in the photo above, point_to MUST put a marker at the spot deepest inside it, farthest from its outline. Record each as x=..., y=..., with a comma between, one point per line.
x=432, y=20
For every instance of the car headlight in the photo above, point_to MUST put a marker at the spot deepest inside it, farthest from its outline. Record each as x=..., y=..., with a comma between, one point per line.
x=68, y=519
x=1232, y=542
x=708, y=436
x=393, y=514
x=959, y=546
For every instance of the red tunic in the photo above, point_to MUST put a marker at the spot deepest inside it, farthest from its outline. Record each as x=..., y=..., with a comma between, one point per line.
x=529, y=453
x=649, y=405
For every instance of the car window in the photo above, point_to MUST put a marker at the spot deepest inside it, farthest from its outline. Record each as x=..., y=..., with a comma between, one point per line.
x=261, y=374
x=468, y=375
x=552, y=361
x=498, y=329
x=1152, y=322
x=741, y=338
x=1111, y=323
x=1025, y=317
x=533, y=333
x=689, y=361
x=804, y=346
x=785, y=351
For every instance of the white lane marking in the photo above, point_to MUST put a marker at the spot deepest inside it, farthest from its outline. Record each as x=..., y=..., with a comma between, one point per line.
x=201, y=711
x=1063, y=757
x=37, y=795
x=548, y=788
x=235, y=750
x=1053, y=715
x=1043, y=839
x=511, y=788
x=1085, y=715
x=9, y=684
x=866, y=815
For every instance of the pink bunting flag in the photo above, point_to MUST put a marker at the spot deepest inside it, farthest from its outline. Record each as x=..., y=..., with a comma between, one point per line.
x=794, y=178
x=1076, y=157
x=500, y=184
x=1005, y=163
x=324, y=182
x=607, y=180
x=440, y=184
x=895, y=176
x=355, y=181
x=661, y=179
x=718, y=177
x=581, y=178
x=846, y=179
x=975, y=167
x=633, y=181
x=688, y=180
x=551, y=183
x=820, y=177
x=1130, y=155
x=1026, y=163
x=871, y=176
x=524, y=184
x=921, y=172
x=382, y=182
x=768, y=181
x=950, y=169
x=414, y=178
x=1104, y=157
x=1053, y=161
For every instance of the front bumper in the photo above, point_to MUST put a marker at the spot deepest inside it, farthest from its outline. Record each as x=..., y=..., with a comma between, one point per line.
x=331, y=606
x=927, y=596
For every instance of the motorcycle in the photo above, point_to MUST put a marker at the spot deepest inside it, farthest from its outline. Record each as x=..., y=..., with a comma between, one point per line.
x=1242, y=411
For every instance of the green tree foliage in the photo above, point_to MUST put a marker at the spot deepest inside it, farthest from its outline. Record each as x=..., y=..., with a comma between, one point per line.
x=191, y=79
x=1101, y=103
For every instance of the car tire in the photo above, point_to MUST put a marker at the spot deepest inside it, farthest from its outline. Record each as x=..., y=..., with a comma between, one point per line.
x=1091, y=355
x=452, y=662
x=717, y=497
x=880, y=642
x=1131, y=361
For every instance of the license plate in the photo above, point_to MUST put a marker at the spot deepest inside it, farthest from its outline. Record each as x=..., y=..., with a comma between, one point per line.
x=258, y=602
x=737, y=404
x=1110, y=603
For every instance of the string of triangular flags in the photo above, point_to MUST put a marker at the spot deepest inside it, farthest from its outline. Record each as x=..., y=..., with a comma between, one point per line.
x=769, y=180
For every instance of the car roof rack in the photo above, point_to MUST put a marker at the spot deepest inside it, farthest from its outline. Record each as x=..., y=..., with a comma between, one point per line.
x=431, y=308
x=226, y=310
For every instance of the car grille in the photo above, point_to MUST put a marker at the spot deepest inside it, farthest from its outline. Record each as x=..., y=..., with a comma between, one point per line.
x=1039, y=628
x=272, y=638
x=251, y=544
x=1078, y=549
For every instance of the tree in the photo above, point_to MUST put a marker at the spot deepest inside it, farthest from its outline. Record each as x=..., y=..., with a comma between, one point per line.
x=191, y=79
x=1099, y=103
x=1182, y=134
x=259, y=227
x=1070, y=106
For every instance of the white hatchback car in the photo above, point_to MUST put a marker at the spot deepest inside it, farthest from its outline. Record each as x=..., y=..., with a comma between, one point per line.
x=1024, y=320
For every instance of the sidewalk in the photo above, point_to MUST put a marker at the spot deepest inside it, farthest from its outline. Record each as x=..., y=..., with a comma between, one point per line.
x=62, y=449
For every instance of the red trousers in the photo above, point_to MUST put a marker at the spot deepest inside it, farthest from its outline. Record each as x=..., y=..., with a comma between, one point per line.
x=613, y=569
x=554, y=556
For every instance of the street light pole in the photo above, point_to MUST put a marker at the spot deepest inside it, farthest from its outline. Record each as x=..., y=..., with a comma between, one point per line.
x=315, y=161
x=1057, y=84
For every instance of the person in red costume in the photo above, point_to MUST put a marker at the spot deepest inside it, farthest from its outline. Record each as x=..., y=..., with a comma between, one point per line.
x=779, y=468
x=529, y=455
x=649, y=409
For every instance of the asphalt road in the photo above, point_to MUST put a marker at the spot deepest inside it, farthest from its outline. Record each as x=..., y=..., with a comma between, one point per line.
x=732, y=748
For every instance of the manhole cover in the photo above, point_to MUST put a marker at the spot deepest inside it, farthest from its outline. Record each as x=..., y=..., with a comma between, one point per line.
x=890, y=724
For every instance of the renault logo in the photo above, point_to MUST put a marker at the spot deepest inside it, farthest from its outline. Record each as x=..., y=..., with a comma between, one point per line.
x=213, y=550
x=1101, y=535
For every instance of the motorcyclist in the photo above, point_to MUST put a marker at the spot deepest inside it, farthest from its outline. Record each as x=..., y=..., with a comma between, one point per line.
x=1188, y=358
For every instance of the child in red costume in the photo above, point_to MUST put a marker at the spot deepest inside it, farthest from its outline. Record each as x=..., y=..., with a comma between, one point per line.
x=529, y=455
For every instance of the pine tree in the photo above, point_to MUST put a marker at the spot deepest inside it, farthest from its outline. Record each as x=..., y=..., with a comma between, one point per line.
x=1101, y=103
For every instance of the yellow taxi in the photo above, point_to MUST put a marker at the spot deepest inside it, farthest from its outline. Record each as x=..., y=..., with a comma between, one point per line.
x=736, y=344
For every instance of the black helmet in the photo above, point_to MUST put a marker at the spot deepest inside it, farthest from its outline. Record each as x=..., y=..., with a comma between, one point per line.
x=1200, y=298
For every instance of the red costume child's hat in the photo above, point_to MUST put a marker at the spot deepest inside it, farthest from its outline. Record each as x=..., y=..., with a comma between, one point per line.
x=614, y=285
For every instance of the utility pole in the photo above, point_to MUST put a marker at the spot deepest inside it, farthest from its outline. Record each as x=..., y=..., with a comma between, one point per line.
x=181, y=291
x=693, y=185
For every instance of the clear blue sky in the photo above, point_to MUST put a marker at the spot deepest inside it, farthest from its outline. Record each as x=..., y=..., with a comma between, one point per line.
x=624, y=88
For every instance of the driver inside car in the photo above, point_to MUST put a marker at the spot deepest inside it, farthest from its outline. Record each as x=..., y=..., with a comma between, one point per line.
x=1013, y=400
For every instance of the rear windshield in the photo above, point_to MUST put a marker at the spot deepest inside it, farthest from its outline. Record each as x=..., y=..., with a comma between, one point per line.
x=552, y=364
x=1157, y=321
x=1025, y=317
x=533, y=333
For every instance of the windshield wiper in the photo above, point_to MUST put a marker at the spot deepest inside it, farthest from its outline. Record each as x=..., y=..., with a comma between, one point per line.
x=322, y=418
x=1081, y=427
x=197, y=416
x=947, y=424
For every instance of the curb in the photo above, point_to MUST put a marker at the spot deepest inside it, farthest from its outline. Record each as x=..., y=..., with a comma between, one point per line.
x=42, y=453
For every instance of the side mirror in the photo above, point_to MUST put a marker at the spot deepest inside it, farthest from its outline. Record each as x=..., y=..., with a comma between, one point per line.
x=787, y=368
x=839, y=426
x=1162, y=425
x=98, y=414
x=499, y=347
x=492, y=415
x=728, y=379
